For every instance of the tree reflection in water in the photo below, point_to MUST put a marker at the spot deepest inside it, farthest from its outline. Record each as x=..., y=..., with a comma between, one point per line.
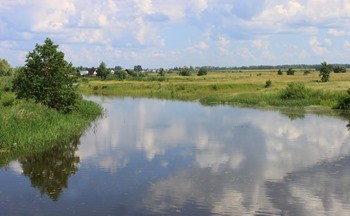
x=49, y=171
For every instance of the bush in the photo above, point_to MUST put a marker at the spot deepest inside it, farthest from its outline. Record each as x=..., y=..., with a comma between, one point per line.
x=185, y=71
x=202, y=71
x=279, y=72
x=268, y=84
x=121, y=75
x=295, y=91
x=307, y=72
x=344, y=103
x=339, y=69
x=7, y=100
x=290, y=71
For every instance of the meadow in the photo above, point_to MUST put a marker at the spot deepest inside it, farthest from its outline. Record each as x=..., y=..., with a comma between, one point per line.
x=243, y=88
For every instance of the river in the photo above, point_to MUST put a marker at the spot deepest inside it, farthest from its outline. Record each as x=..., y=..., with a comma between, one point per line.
x=161, y=157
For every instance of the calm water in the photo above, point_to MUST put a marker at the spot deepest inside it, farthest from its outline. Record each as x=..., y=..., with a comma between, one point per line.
x=153, y=157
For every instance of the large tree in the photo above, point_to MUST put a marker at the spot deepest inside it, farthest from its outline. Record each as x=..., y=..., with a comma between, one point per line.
x=47, y=78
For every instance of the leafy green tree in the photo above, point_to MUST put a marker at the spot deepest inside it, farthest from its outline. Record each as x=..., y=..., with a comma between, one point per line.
x=47, y=78
x=325, y=71
x=5, y=68
x=279, y=72
x=290, y=71
x=202, y=71
x=138, y=68
x=102, y=71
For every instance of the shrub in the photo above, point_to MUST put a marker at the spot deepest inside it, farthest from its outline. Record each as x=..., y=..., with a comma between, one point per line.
x=294, y=91
x=268, y=84
x=121, y=75
x=8, y=100
x=202, y=71
x=185, y=71
x=279, y=72
x=339, y=69
x=344, y=103
x=307, y=72
x=290, y=71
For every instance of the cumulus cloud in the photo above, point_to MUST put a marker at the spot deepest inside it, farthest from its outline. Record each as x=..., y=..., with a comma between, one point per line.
x=148, y=26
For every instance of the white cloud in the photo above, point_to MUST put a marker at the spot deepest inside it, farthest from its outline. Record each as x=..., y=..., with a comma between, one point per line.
x=338, y=32
x=317, y=47
x=260, y=43
x=224, y=45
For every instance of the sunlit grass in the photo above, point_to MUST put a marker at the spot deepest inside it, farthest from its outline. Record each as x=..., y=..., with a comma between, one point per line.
x=232, y=87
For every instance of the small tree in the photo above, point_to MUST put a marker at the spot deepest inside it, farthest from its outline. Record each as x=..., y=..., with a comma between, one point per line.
x=202, y=71
x=5, y=68
x=47, y=78
x=102, y=70
x=279, y=72
x=290, y=71
x=325, y=71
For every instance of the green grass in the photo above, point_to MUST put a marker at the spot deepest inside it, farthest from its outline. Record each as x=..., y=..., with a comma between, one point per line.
x=245, y=88
x=27, y=128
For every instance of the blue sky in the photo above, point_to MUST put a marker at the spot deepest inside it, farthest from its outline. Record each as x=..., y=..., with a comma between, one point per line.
x=168, y=33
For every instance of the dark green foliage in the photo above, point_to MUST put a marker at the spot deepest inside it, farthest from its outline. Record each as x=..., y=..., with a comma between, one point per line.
x=161, y=72
x=325, y=71
x=121, y=75
x=202, y=71
x=295, y=91
x=138, y=68
x=47, y=78
x=185, y=71
x=344, y=103
x=306, y=72
x=102, y=71
x=5, y=68
x=279, y=72
x=290, y=71
x=268, y=84
x=339, y=69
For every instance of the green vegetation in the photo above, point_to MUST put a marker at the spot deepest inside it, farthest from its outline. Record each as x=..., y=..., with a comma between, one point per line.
x=202, y=71
x=27, y=128
x=39, y=107
x=325, y=71
x=268, y=84
x=228, y=87
x=290, y=71
x=47, y=78
x=102, y=71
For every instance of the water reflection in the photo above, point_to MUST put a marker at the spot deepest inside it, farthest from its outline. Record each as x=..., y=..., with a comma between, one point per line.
x=49, y=171
x=153, y=157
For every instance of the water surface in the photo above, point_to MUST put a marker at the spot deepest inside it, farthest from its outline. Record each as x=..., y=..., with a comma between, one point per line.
x=154, y=157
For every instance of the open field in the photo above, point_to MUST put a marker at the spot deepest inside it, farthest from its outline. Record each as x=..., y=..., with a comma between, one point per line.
x=245, y=88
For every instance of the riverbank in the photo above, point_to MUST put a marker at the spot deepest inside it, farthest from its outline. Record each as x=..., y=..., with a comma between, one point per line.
x=244, y=88
x=27, y=128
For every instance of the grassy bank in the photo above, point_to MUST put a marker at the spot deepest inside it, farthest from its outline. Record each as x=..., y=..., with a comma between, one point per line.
x=27, y=128
x=245, y=88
